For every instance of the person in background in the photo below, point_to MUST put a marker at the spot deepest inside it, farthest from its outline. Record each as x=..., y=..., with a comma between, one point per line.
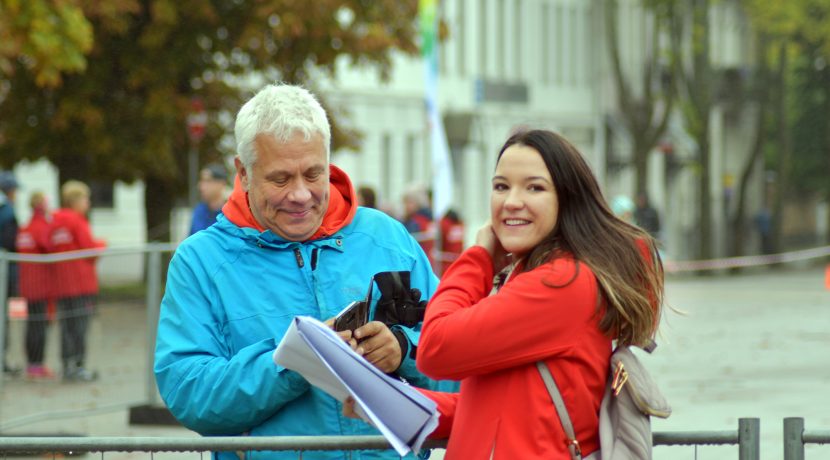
x=417, y=218
x=452, y=238
x=646, y=216
x=213, y=185
x=623, y=207
x=8, y=235
x=76, y=281
x=366, y=197
x=36, y=281
x=577, y=277
x=290, y=241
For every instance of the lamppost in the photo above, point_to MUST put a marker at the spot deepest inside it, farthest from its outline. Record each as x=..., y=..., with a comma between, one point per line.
x=196, y=122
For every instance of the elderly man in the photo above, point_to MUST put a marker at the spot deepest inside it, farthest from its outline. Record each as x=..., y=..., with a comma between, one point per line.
x=290, y=241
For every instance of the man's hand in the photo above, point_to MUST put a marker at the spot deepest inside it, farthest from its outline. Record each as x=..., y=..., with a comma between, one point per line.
x=379, y=346
x=347, y=336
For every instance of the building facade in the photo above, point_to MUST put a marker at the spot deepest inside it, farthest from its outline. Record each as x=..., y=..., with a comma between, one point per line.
x=505, y=64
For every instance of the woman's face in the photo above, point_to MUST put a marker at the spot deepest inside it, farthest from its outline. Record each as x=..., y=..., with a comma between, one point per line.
x=523, y=204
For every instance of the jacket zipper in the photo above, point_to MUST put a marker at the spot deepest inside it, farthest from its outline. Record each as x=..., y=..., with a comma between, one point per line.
x=314, y=258
x=299, y=257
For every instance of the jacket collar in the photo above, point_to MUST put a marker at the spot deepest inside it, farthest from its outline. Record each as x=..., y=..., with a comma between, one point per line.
x=341, y=210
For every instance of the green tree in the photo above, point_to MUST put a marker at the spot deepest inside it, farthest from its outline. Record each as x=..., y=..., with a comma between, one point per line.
x=123, y=118
x=45, y=37
x=799, y=141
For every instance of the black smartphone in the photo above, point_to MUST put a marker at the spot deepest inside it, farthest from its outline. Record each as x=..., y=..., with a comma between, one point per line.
x=356, y=313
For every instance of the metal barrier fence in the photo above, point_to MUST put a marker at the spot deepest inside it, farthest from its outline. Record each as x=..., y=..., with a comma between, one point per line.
x=127, y=382
x=747, y=438
x=148, y=261
x=795, y=437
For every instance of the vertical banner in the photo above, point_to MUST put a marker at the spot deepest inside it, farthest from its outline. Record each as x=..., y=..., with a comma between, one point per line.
x=439, y=148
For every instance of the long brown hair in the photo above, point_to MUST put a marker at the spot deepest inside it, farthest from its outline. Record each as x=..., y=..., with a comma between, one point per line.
x=623, y=257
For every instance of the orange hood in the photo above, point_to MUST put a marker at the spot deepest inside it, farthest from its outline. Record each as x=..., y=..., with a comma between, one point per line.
x=341, y=210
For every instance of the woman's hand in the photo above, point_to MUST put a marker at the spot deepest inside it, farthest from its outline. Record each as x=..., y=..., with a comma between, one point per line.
x=486, y=238
x=348, y=408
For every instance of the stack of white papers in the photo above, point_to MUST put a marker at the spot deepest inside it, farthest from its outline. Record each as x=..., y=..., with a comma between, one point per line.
x=402, y=414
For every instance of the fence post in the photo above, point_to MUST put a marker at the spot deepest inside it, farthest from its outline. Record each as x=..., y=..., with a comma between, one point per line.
x=749, y=438
x=4, y=276
x=793, y=438
x=153, y=305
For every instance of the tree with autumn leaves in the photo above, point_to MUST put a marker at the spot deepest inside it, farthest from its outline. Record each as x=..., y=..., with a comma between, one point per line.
x=102, y=88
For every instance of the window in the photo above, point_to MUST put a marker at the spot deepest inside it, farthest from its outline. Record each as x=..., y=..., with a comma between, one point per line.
x=461, y=37
x=501, y=38
x=545, y=25
x=517, y=38
x=411, y=158
x=386, y=162
x=101, y=194
x=482, y=38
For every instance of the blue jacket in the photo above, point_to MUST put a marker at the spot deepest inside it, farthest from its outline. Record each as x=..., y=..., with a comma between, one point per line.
x=231, y=294
x=203, y=217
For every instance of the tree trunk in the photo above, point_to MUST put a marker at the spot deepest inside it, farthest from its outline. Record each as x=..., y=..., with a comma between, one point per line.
x=784, y=154
x=640, y=158
x=704, y=196
x=739, y=220
x=158, y=204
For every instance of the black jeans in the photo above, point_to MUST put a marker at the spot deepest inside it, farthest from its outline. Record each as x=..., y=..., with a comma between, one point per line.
x=36, y=324
x=74, y=314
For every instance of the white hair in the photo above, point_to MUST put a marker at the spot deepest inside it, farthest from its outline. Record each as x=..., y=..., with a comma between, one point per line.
x=418, y=194
x=280, y=110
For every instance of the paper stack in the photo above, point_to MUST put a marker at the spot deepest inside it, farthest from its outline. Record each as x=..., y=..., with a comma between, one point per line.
x=402, y=414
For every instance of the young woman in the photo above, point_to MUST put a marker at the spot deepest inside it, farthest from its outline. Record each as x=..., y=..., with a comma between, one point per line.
x=581, y=278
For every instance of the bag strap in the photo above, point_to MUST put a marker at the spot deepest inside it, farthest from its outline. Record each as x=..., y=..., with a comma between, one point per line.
x=561, y=410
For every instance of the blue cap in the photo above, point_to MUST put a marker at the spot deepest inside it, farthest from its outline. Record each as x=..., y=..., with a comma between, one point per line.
x=8, y=181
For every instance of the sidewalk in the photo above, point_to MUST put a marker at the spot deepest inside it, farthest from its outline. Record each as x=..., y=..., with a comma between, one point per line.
x=118, y=350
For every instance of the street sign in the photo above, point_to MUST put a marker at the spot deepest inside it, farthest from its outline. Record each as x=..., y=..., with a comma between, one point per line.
x=196, y=120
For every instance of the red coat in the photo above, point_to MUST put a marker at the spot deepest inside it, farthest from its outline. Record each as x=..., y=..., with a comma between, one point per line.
x=452, y=242
x=491, y=344
x=70, y=232
x=36, y=279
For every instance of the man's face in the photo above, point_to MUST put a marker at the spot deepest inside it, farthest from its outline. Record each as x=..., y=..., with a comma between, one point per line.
x=288, y=185
x=210, y=189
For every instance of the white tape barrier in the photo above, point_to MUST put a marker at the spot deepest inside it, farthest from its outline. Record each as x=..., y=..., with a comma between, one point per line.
x=674, y=266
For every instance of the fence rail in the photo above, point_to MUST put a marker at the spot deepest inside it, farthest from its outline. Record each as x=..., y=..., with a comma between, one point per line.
x=795, y=437
x=746, y=437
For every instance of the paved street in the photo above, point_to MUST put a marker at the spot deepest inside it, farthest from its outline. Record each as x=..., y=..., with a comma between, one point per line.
x=754, y=345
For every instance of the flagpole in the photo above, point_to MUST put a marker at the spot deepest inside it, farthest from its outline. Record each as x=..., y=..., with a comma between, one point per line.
x=442, y=187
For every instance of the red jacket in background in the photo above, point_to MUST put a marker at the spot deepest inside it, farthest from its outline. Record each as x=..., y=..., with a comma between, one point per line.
x=419, y=225
x=491, y=343
x=452, y=241
x=35, y=279
x=70, y=231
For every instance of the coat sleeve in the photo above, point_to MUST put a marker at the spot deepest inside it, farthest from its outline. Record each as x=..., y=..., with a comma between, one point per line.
x=447, y=403
x=423, y=279
x=466, y=332
x=83, y=234
x=207, y=388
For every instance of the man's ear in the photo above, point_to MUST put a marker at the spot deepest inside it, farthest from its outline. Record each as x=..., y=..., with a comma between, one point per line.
x=243, y=173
